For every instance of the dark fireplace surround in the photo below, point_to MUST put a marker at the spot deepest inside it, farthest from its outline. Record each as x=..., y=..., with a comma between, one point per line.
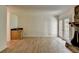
x=75, y=24
x=75, y=40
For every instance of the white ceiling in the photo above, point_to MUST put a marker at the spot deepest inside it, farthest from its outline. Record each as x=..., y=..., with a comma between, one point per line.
x=56, y=9
x=44, y=7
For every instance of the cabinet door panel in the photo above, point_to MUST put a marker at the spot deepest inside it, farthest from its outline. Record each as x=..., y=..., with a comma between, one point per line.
x=16, y=35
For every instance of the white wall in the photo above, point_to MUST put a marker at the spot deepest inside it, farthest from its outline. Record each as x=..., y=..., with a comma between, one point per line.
x=13, y=21
x=3, y=29
x=70, y=15
x=8, y=25
x=38, y=24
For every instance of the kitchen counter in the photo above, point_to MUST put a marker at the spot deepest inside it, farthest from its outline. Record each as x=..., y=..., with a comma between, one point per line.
x=16, y=29
x=16, y=33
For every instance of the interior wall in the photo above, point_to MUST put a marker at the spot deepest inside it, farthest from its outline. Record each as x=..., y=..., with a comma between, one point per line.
x=68, y=14
x=8, y=24
x=3, y=29
x=13, y=21
x=38, y=25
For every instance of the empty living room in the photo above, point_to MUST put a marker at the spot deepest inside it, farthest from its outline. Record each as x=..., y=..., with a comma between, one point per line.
x=39, y=28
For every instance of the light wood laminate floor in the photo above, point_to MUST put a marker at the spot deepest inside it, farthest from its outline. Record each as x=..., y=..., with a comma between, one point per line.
x=37, y=45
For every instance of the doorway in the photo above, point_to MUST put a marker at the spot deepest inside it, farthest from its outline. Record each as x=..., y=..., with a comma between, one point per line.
x=64, y=29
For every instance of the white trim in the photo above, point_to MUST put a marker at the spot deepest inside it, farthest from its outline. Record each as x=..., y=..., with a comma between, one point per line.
x=39, y=36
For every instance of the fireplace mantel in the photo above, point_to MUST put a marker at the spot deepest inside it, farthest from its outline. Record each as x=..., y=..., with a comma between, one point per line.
x=74, y=24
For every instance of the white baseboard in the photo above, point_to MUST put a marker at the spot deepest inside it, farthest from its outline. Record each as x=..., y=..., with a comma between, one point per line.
x=39, y=36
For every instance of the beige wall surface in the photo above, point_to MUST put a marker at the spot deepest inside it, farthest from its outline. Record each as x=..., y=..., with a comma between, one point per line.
x=3, y=28
x=70, y=15
x=13, y=21
x=37, y=22
x=38, y=25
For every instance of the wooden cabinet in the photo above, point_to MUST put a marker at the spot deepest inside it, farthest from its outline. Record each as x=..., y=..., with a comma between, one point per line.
x=16, y=34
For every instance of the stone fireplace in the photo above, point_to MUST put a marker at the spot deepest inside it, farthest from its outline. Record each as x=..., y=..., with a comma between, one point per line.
x=75, y=41
x=75, y=24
